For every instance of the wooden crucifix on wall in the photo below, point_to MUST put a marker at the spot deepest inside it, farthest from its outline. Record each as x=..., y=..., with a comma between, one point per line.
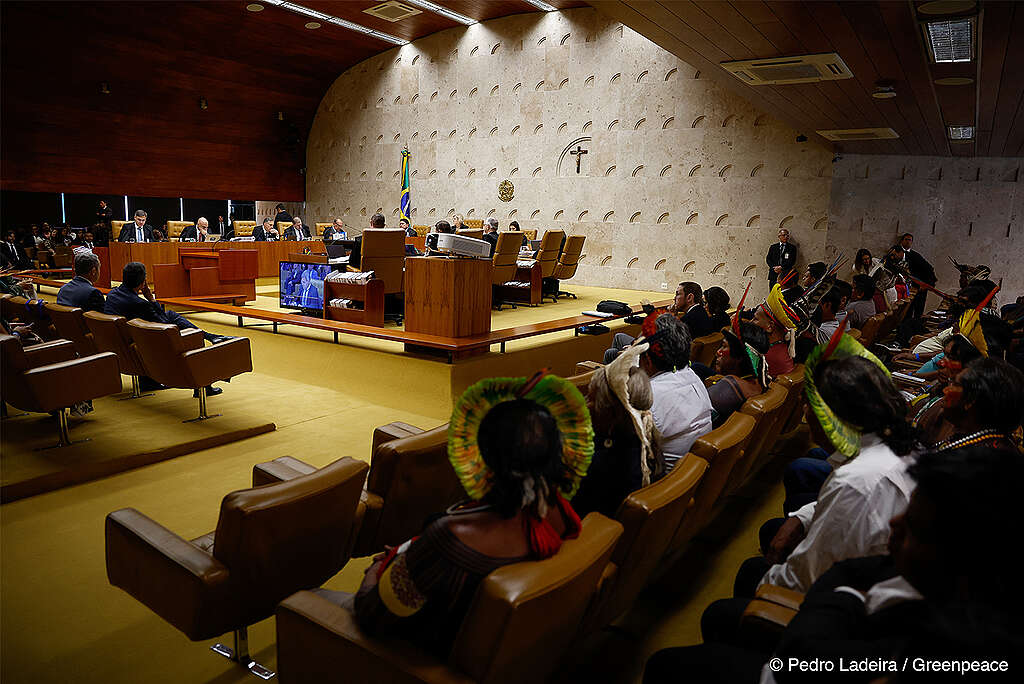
x=578, y=153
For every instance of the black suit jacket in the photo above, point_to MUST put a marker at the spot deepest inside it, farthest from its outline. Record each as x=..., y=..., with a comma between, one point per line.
x=282, y=217
x=15, y=256
x=260, y=235
x=127, y=233
x=81, y=293
x=123, y=302
x=189, y=233
x=289, y=234
x=698, y=321
x=779, y=255
x=920, y=268
x=493, y=239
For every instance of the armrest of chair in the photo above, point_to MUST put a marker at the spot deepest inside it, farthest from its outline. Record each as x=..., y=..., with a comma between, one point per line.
x=766, y=616
x=391, y=431
x=171, y=576
x=587, y=366
x=62, y=384
x=220, y=361
x=279, y=470
x=50, y=352
x=191, y=339
x=787, y=598
x=316, y=637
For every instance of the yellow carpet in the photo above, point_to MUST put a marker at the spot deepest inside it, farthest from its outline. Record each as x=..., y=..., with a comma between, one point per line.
x=60, y=621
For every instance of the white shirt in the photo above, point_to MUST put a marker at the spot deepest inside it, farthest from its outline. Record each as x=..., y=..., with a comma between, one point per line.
x=935, y=343
x=681, y=412
x=851, y=517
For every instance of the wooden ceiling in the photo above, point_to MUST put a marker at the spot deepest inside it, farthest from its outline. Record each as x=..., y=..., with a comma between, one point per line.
x=149, y=136
x=880, y=41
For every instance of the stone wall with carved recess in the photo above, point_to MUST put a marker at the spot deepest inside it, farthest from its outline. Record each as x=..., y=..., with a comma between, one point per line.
x=682, y=180
x=969, y=208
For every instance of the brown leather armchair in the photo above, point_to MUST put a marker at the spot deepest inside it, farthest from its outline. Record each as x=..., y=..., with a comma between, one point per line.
x=29, y=312
x=410, y=479
x=503, y=262
x=568, y=260
x=269, y=543
x=383, y=252
x=706, y=347
x=649, y=518
x=519, y=627
x=721, y=449
x=48, y=377
x=768, y=614
x=793, y=411
x=71, y=325
x=110, y=333
x=869, y=331
x=547, y=255
x=768, y=410
x=173, y=359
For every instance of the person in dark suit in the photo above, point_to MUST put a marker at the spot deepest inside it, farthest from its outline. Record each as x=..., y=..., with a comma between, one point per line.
x=265, y=232
x=781, y=258
x=282, y=215
x=133, y=299
x=297, y=231
x=335, y=231
x=80, y=291
x=691, y=309
x=309, y=295
x=221, y=226
x=13, y=253
x=199, y=232
x=491, y=232
x=137, y=231
x=919, y=268
x=104, y=214
x=409, y=230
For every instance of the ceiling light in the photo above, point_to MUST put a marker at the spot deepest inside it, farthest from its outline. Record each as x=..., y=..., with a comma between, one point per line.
x=946, y=7
x=539, y=4
x=951, y=40
x=254, y=7
x=884, y=92
x=443, y=11
x=104, y=88
x=954, y=81
x=307, y=12
x=203, y=104
x=313, y=25
x=961, y=132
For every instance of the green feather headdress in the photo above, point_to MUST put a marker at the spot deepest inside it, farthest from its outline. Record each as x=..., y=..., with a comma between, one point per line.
x=843, y=435
x=562, y=400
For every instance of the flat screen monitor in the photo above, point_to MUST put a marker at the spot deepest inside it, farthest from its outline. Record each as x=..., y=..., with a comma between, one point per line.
x=302, y=285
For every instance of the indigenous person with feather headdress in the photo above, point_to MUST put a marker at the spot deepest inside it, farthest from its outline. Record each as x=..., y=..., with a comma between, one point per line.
x=627, y=444
x=520, y=448
x=740, y=362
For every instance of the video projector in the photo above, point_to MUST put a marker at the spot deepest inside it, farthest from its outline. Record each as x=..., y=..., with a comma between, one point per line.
x=460, y=245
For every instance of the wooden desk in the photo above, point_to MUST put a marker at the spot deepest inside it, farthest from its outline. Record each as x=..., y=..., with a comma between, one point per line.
x=448, y=297
x=527, y=295
x=208, y=272
x=268, y=254
x=308, y=258
x=419, y=242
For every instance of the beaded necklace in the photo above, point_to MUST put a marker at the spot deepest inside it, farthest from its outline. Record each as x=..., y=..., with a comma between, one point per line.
x=973, y=438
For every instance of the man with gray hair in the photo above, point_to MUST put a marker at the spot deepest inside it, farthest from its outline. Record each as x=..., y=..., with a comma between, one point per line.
x=491, y=232
x=196, y=233
x=80, y=291
x=137, y=231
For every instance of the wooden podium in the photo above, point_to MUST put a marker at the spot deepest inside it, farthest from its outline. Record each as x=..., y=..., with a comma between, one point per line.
x=447, y=297
x=208, y=272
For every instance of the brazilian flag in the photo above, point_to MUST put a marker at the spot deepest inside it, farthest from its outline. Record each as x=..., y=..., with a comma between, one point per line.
x=405, y=204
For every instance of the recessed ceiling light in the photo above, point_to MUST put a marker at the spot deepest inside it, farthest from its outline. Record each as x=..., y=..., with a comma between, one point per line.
x=961, y=132
x=954, y=81
x=886, y=92
x=337, y=21
x=443, y=11
x=313, y=25
x=946, y=7
x=951, y=40
x=254, y=7
x=539, y=4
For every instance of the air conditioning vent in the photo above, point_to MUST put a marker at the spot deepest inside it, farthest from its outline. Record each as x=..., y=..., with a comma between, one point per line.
x=392, y=11
x=785, y=70
x=848, y=134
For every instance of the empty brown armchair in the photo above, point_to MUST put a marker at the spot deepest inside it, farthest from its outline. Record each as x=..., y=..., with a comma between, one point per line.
x=550, y=248
x=110, y=333
x=566, y=267
x=269, y=543
x=48, y=377
x=706, y=348
x=173, y=359
x=519, y=627
x=70, y=325
x=383, y=252
x=506, y=251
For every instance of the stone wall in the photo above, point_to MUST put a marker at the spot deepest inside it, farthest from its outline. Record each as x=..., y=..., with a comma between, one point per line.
x=969, y=208
x=682, y=180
